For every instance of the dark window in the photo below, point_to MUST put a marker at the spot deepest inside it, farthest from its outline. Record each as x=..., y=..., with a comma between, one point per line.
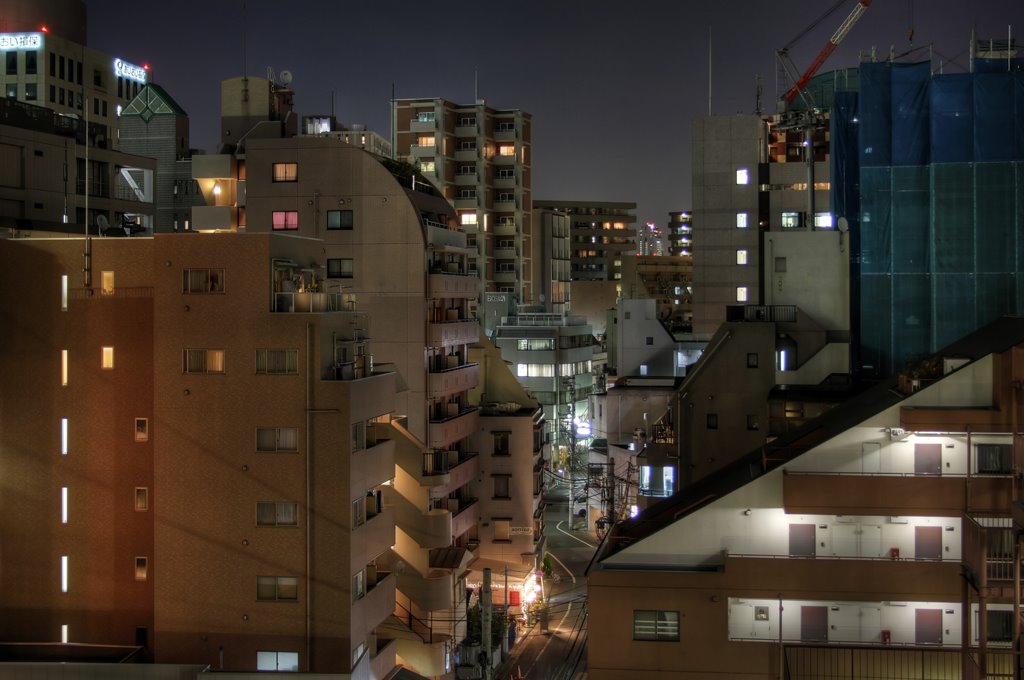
x=60, y=67
x=650, y=340
x=104, y=107
x=339, y=219
x=339, y=268
x=53, y=93
x=97, y=77
x=780, y=264
x=752, y=360
x=712, y=421
x=659, y=626
x=501, y=443
x=79, y=72
x=53, y=65
x=95, y=106
x=752, y=423
x=12, y=63
x=31, y=92
x=31, y=63
x=994, y=458
x=1000, y=625
x=120, y=86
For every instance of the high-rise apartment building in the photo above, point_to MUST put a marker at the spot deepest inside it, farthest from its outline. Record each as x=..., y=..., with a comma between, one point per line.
x=680, y=233
x=600, y=232
x=551, y=261
x=480, y=159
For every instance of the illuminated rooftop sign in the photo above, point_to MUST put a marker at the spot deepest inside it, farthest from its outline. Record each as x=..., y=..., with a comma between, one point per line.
x=130, y=71
x=21, y=41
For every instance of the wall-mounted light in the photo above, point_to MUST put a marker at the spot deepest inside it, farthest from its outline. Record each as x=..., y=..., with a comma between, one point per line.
x=216, y=189
x=747, y=512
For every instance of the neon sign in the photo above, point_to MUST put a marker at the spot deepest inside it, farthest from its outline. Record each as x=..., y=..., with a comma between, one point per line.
x=129, y=71
x=21, y=41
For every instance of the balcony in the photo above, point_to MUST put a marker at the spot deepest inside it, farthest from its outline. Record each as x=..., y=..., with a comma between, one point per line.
x=443, y=433
x=373, y=608
x=505, y=277
x=466, y=180
x=445, y=285
x=506, y=253
x=893, y=494
x=465, y=130
x=448, y=471
x=309, y=302
x=465, y=203
x=213, y=217
x=466, y=154
x=505, y=182
x=504, y=135
x=505, y=205
x=458, y=332
x=422, y=151
x=466, y=515
x=504, y=160
x=377, y=464
x=416, y=125
x=452, y=380
x=506, y=229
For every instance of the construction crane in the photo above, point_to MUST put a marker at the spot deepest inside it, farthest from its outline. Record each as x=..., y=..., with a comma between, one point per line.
x=830, y=46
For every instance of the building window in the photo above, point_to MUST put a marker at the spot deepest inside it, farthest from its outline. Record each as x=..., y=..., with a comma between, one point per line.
x=501, y=529
x=339, y=219
x=741, y=257
x=792, y=219
x=107, y=358
x=203, y=361
x=32, y=63
x=358, y=436
x=427, y=167
x=660, y=626
x=741, y=293
x=359, y=512
x=425, y=140
x=63, y=573
x=141, y=499
x=712, y=421
x=277, y=361
x=823, y=220
x=274, y=439
x=994, y=458
x=425, y=116
x=277, y=514
x=780, y=265
x=63, y=436
x=107, y=283
x=142, y=429
x=752, y=360
x=12, y=63
x=501, y=486
x=286, y=172
x=274, y=588
x=195, y=281
x=507, y=150
x=31, y=92
x=64, y=367
x=752, y=423
x=743, y=176
x=63, y=505
x=284, y=220
x=359, y=585
x=649, y=340
x=741, y=220
x=141, y=568
x=501, y=443
x=277, y=661
x=339, y=267
x=467, y=218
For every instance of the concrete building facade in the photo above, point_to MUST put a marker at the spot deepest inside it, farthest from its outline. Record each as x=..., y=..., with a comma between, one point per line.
x=601, y=232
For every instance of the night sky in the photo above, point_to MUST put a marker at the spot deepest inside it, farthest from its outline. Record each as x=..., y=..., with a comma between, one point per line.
x=612, y=86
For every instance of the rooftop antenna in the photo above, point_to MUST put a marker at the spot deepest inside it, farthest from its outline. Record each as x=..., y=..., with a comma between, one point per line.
x=758, y=89
x=709, y=70
x=476, y=86
x=245, y=77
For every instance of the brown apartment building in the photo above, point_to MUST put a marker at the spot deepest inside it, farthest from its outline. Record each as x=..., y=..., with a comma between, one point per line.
x=879, y=540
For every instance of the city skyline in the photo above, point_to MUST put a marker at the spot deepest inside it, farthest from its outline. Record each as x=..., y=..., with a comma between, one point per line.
x=602, y=99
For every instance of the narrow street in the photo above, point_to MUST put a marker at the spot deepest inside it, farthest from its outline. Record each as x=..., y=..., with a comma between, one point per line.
x=557, y=651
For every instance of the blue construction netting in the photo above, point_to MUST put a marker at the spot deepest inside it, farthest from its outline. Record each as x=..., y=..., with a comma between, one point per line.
x=939, y=246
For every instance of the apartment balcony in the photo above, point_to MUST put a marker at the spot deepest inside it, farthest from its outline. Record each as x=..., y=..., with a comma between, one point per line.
x=373, y=537
x=458, y=332
x=937, y=419
x=505, y=182
x=451, y=380
x=466, y=180
x=447, y=471
x=505, y=205
x=467, y=154
x=465, y=130
x=453, y=285
x=222, y=217
x=466, y=515
x=504, y=135
x=505, y=277
x=383, y=661
x=465, y=203
x=431, y=529
x=416, y=125
x=372, y=609
x=418, y=151
x=506, y=253
x=504, y=160
x=506, y=229
x=310, y=302
x=894, y=494
x=442, y=433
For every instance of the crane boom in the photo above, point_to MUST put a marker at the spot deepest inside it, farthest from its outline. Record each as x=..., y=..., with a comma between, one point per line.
x=831, y=45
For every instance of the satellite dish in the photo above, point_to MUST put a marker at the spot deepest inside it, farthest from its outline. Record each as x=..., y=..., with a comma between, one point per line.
x=843, y=224
x=102, y=224
x=286, y=78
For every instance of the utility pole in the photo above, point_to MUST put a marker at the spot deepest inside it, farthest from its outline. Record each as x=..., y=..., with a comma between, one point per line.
x=485, y=622
x=570, y=383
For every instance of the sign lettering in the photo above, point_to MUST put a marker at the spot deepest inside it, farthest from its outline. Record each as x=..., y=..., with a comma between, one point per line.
x=21, y=41
x=129, y=71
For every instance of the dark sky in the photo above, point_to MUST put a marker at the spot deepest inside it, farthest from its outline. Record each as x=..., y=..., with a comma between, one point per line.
x=612, y=86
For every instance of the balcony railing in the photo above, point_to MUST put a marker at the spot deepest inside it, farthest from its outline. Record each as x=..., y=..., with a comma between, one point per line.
x=456, y=332
x=451, y=380
x=446, y=431
x=443, y=462
x=315, y=302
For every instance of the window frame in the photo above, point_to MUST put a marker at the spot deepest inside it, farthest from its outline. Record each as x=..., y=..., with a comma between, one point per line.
x=656, y=635
x=279, y=172
x=277, y=361
x=278, y=506
x=345, y=220
x=282, y=589
x=284, y=220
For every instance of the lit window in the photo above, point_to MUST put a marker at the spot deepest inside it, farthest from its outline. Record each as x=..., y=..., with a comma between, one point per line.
x=107, y=283
x=63, y=436
x=501, y=529
x=284, y=220
x=286, y=172
x=427, y=166
x=791, y=219
x=107, y=360
x=661, y=626
x=63, y=292
x=742, y=176
x=468, y=218
x=142, y=429
x=203, y=361
x=741, y=293
x=272, y=439
x=425, y=140
x=63, y=573
x=141, y=499
x=741, y=220
x=339, y=219
x=141, y=568
x=63, y=367
x=741, y=257
x=197, y=281
x=276, y=514
x=64, y=633
x=339, y=267
x=277, y=588
x=521, y=370
x=277, y=661
x=507, y=150
x=823, y=220
x=277, y=361
x=64, y=505
x=425, y=116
